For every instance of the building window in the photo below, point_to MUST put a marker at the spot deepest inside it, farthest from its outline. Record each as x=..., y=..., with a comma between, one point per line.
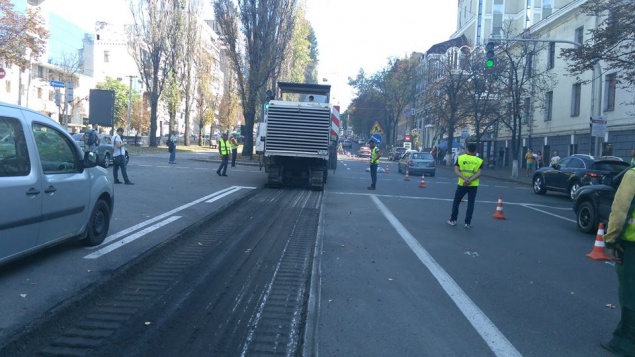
x=547, y=8
x=40, y=72
x=526, y=110
x=579, y=36
x=106, y=56
x=576, y=92
x=551, y=61
x=497, y=18
x=610, y=84
x=529, y=69
x=548, y=106
x=51, y=95
x=39, y=93
x=7, y=86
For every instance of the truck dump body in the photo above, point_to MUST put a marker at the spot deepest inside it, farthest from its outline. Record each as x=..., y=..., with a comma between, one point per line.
x=298, y=129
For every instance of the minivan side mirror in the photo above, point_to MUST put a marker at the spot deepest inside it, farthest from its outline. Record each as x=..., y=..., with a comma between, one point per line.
x=90, y=159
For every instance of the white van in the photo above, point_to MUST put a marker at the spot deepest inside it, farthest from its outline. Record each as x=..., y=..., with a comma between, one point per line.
x=50, y=190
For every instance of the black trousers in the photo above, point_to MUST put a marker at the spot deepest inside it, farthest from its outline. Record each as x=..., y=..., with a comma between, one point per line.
x=234, y=153
x=471, y=198
x=120, y=162
x=223, y=165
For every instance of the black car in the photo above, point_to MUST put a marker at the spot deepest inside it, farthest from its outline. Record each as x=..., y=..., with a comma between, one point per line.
x=575, y=171
x=592, y=204
x=396, y=153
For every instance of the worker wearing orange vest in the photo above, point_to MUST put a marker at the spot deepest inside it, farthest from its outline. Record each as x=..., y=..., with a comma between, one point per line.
x=223, y=149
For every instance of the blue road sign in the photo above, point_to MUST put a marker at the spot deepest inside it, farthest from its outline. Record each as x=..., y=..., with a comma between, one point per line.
x=57, y=84
x=376, y=138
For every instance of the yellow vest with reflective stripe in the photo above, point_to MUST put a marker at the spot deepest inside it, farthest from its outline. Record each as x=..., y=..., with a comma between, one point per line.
x=374, y=157
x=224, y=147
x=468, y=166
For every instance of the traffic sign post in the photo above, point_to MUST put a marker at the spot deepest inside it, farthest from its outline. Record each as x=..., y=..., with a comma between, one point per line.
x=376, y=129
x=376, y=138
x=2, y=73
x=57, y=84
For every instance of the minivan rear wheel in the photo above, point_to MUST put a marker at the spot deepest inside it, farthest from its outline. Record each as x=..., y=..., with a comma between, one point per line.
x=98, y=224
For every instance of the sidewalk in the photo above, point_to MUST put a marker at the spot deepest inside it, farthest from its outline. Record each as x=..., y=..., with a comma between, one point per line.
x=504, y=174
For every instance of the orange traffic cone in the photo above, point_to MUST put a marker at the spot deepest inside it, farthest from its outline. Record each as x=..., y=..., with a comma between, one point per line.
x=407, y=177
x=499, y=209
x=387, y=169
x=422, y=183
x=598, y=248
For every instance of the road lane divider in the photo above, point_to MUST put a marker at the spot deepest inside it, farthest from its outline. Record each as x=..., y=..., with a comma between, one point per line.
x=131, y=238
x=138, y=226
x=493, y=337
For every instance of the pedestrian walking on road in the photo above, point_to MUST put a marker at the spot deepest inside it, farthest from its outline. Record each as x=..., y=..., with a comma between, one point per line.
x=234, y=144
x=620, y=244
x=119, y=158
x=223, y=149
x=172, y=147
x=538, y=160
x=374, y=162
x=468, y=169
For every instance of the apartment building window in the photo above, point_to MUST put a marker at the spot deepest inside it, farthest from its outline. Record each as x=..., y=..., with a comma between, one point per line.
x=610, y=85
x=547, y=8
x=39, y=93
x=497, y=18
x=526, y=110
x=551, y=60
x=579, y=35
x=7, y=86
x=40, y=72
x=548, y=106
x=106, y=56
x=576, y=92
x=529, y=69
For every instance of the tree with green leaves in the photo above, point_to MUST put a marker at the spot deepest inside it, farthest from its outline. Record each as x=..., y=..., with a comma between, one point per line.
x=612, y=42
x=256, y=35
x=369, y=106
x=23, y=36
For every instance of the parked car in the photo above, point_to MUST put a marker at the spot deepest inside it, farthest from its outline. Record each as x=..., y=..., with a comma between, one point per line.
x=575, y=171
x=417, y=162
x=592, y=203
x=55, y=191
x=105, y=148
x=396, y=153
x=347, y=144
x=364, y=151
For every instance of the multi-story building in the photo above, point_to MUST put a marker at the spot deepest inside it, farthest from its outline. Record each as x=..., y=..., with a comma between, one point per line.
x=562, y=121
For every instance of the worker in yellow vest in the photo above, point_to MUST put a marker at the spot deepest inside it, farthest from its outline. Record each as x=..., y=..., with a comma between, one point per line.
x=374, y=163
x=234, y=144
x=620, y=246
x=468, y=169
x=223, y=149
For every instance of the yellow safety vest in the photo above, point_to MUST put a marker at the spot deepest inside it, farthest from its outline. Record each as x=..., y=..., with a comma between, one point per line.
x=224, y=147
x=234, y=144
x=468, y=166
x=374, y=155
x=629, y=229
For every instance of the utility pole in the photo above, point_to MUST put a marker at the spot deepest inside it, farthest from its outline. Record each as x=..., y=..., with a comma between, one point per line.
x=129, y=105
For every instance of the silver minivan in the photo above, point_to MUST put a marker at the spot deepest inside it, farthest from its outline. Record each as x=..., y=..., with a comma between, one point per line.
x=51, y=190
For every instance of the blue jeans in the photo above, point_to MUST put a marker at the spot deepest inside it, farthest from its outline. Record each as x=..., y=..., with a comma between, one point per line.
x=119, y=162
x=471, y=198
x=173, y=155
x=373, y=174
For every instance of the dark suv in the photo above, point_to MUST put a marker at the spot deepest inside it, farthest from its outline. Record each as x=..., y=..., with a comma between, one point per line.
x=396, y=153
x=575, y=171
x=592, y=204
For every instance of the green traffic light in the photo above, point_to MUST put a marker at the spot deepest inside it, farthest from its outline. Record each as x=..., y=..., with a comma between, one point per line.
x=489, y=63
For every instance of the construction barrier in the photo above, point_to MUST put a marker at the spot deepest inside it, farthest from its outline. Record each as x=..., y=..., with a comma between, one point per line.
x=598, y=248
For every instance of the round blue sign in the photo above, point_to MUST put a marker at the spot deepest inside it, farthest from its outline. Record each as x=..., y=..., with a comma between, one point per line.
x=376, y=138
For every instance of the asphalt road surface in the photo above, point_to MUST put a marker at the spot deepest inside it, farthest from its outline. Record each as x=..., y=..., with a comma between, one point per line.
x=345, y=272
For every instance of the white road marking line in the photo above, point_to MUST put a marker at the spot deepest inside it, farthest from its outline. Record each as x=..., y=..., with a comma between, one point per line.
x=216, y=198
x=549, y=213
x=497, y=342
x=131, y=238
x=126, y=231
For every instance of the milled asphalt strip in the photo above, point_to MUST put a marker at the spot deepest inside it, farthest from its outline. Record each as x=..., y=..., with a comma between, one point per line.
x=495, y=339
x=126, y=231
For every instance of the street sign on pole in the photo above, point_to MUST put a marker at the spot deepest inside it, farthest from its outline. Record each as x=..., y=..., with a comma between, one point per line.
x=2, y=73
x=376, y=129
x=57, y=84
x=376, y=138
x=598, y=127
